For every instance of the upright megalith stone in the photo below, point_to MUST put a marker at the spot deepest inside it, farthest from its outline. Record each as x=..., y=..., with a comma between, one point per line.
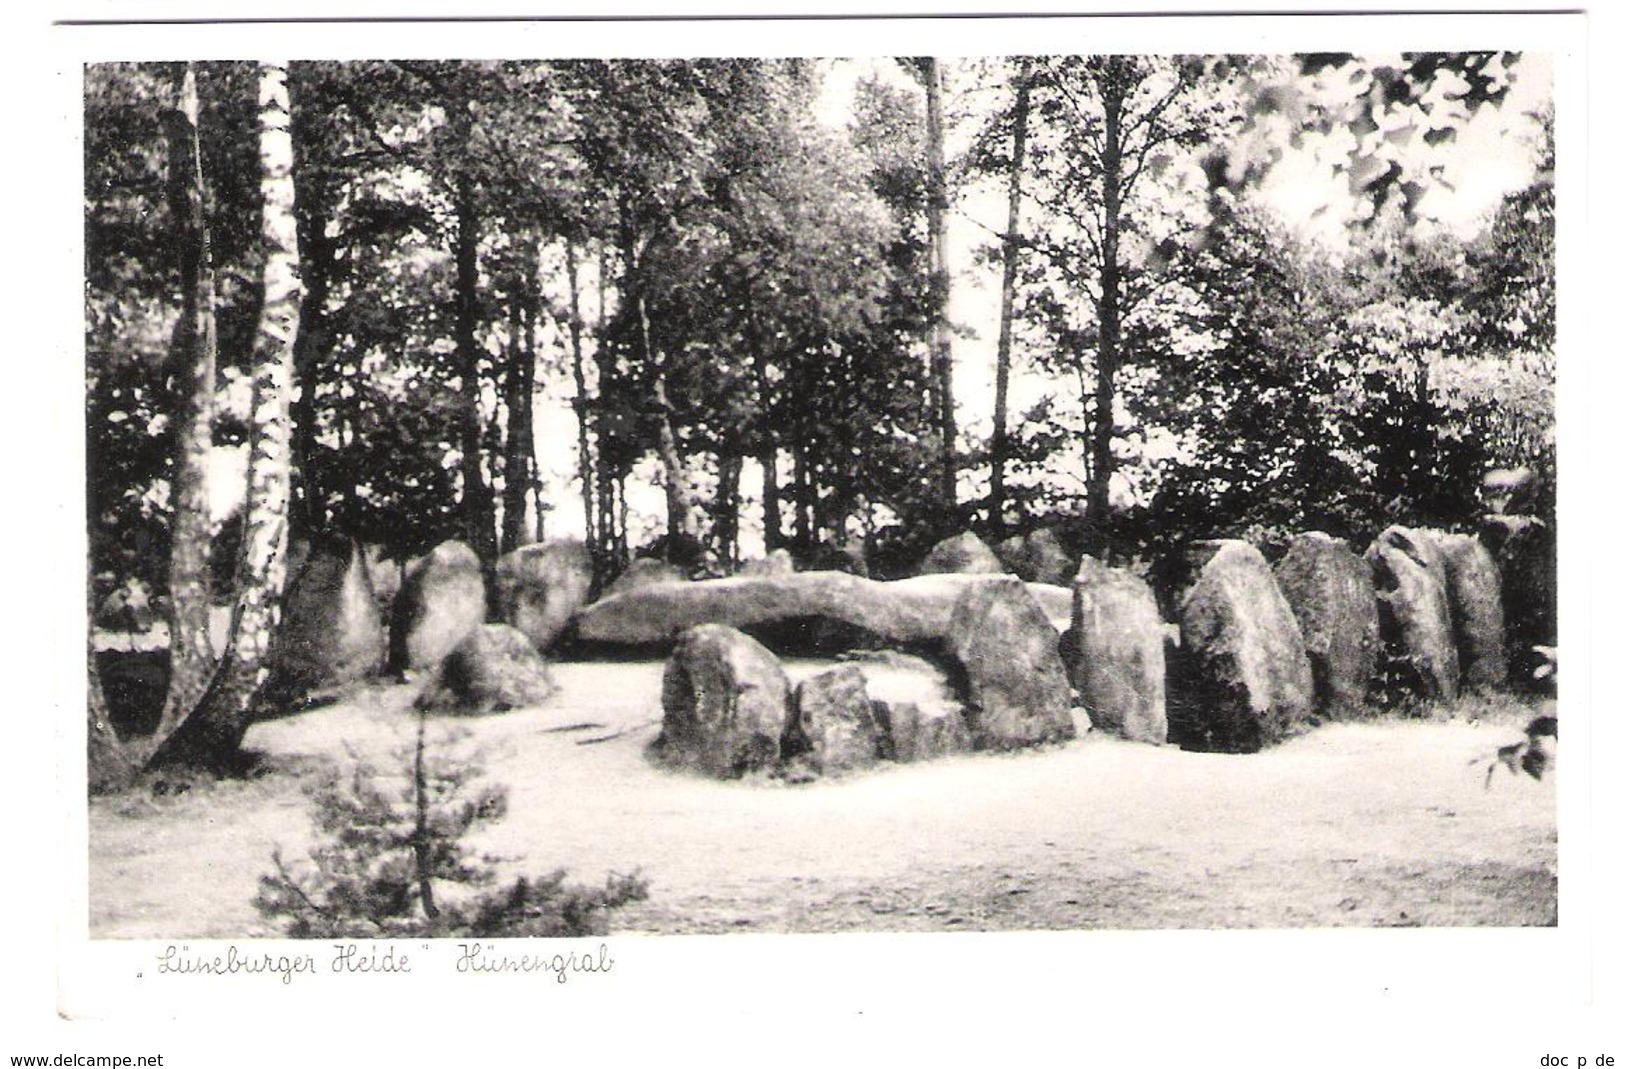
x=1038, y=557
x=441, y=603
x=1525, y=549
x=1015, y=686
x=495, y=669
x=1473, y=587
x=832, y=722
x=1242, y=675
x=331, y=632
x=1332, y=595
x=963, y=554
x=539, y=587
x=1414, y=616
x=1115, y=653
x=725, y=699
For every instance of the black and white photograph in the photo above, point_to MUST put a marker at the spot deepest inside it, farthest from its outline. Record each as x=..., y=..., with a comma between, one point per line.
x=1036, y=491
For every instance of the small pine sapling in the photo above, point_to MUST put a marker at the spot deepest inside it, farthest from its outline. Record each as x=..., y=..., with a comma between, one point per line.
x=388, y=841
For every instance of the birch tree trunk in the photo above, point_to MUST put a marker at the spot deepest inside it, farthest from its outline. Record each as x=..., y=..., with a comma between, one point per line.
x=211, y=735
x=999, y=448
x=942, y=357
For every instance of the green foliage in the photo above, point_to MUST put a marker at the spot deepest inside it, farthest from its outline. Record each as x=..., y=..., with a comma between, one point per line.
x=391, y=861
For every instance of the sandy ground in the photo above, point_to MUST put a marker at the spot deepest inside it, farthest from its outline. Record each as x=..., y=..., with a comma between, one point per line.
x=1372, y=824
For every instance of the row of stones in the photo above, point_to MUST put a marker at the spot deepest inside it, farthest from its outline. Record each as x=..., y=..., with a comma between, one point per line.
x=1258, y=651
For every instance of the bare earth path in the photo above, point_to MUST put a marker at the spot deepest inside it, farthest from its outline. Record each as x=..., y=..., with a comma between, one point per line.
x=1369, y=824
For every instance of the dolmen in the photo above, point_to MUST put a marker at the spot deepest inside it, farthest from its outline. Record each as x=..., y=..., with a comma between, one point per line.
x=729, y=711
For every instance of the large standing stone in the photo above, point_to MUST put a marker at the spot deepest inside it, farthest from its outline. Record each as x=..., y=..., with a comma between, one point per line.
x=1016, y=688
x=1414, y=615
x=495, y=669
x=1038, y=557
x=1332, y=595
x=1526, y=550
x=1242, y=662
x=1115, y=649
x=1473, y=586
x=331, y=632
x=441, y=602
x=539, y=587
x=963, y=554
x=725, y=699
x=832, y=723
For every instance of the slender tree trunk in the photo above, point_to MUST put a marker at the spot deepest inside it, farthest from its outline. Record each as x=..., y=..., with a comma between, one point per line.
x=1000, y=445
x=318, y=263
x=767, y=434
x=678, y=521
x=578, y=369
x=623, y=552
x=612, y=522
x=942, y=357
x=730, y=460
x=1109, y=315
x=212, y=733
x=520, y=462
x=478, y=505
x=804, y=487
x=192, y=378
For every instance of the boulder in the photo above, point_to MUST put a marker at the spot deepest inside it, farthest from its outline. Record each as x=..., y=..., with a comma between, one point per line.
x=1413, y=613
x=910, y=731
x=1037, y=558
x=441, y=603
x=725, y=700
x=645, y=572
x=331, y=632
x=905, y=611
x=539, y=587
x=1016, y=690
x=1473, y=587
x=1420, y=543
x=917, y=714
x=1331, y=593
x=1242, y=672
x=1527, y=555
x=832, y=723
x=777, y=562
x=495, y=669
x=1114, y=653
x=963, y=554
